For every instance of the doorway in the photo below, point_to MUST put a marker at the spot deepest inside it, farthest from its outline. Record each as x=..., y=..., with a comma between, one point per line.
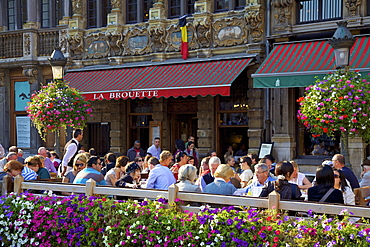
x=99, y=137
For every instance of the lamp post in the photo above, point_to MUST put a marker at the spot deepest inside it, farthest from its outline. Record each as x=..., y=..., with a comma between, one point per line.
x=57, y=62
x=342, y=41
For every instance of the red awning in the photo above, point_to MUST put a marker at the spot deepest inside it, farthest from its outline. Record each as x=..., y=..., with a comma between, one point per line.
x=187, y=79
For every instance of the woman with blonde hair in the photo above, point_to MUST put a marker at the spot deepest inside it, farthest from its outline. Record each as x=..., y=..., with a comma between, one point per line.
x=221, y=183
x=187, y=175
x=299, y=178
x=35, y=163
x=118, y=171
x=79, y=163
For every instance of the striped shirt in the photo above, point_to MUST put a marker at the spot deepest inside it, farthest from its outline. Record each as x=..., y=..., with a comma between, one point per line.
x=28, y=174
x=88, y=173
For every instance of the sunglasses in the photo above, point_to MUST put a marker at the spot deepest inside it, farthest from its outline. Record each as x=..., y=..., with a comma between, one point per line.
x=8, y=170
x=336, y=176
x=140, y=160
x=82, y=164
x=31, y=164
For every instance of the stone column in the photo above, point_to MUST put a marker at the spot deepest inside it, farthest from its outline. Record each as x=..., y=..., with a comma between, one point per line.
x=284, y=120
x=77, y=16
x=203, y=6
x=357, y=154
x=4, y=108
x=115, y=17
x=3, y=10
x=67, y=13
x=32, y=13
x=30, y=44
x=206, y=125
x=160, y=114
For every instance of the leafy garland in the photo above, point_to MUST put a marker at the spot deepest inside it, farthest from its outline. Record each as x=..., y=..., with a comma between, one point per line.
x=339, y=102
x=57, y=106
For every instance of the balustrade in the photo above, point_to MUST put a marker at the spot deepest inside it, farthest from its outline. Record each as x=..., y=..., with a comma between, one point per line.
x=47, y=42
x=11, y=45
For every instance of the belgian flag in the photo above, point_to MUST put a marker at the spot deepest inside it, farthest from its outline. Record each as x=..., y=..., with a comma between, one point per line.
x=184, y=37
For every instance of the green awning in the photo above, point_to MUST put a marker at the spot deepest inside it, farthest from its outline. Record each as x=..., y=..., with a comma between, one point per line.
x=297, y=64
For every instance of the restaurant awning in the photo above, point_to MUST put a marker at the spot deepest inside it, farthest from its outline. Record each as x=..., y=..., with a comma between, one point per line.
x=297, y=64
x=186, y=79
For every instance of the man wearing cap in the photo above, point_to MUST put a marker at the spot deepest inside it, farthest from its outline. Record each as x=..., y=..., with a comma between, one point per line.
x=365, y=174
x=339, y=163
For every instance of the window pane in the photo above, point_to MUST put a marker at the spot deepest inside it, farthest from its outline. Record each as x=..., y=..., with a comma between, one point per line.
x=221, y=5
x=174, y=8
x=147, y=5
x=131, y=11
x=23, y=12
x=190, y=6
x=107, y=7
x=319, y=10
x=239, y=4
x=59, y=11
x=11, y=14
x=91, y=14
x=45, y=13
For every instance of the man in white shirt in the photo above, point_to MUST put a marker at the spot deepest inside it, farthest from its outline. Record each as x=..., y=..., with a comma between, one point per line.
x=155, y=149
x=71, y=149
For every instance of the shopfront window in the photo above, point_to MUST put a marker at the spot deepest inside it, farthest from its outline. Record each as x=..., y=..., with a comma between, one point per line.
x=141, y=112
x=232, y=116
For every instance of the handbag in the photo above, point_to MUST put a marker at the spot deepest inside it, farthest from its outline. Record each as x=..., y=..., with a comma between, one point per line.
x=326, y=195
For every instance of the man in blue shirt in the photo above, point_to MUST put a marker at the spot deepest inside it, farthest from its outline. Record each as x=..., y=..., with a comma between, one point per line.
x=93, y=170
x=161, y=177
x=155, y=149
x=255, y=188
x=340, y=164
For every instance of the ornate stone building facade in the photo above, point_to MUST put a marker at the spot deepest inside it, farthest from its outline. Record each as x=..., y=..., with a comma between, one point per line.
x=109, y=36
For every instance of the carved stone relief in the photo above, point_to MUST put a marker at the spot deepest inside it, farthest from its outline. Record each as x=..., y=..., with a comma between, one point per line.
x=77, y=7
x=31, y=73
x=27, y=44
x=158, y=38
x=254, y=17
x=96, y=46
x=137, y=42
x=115, y=41
x=63, y=40
x=352, y=6
x=76, y=45
x=174, y=38
x=116, y=4
x=204, y=32
x=283, y=12
x=192, y=37
x=2, y=78
x=229, y=31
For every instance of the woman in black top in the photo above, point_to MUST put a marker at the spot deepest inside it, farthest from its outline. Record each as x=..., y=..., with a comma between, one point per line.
x=131, y=178
x=324, y=182
x=284, y=171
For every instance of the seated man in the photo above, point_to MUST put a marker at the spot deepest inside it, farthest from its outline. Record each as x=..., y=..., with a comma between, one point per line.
x=208, y=178
x=161, y=177
x=93, y=170
x=255, y=188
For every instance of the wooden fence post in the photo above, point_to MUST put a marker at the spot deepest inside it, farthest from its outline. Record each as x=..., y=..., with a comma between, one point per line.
x=274, y=199
x=172, y=193
x=18, y=180
x=90, y=184
x=8, y=185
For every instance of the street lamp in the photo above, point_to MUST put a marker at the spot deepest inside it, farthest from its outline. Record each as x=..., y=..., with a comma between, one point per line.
x=342, y=41
x=57, y=62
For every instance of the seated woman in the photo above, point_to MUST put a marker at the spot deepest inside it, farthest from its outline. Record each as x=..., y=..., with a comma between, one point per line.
x=35, y=164
x=324, y=190
x=187, y=175
x=340, y=183
x=131, y=178
x=299, y=178
x=221, y=183
x=247, y=173
x=283, y=171
x=79, y=163
x=118, y=171
x=15, y=168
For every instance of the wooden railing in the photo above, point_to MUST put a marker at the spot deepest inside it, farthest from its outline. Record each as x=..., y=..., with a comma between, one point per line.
x=11, y=45
x=273, y=200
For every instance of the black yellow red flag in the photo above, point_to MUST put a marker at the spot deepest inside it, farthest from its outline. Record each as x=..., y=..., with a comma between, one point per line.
x=184, y=37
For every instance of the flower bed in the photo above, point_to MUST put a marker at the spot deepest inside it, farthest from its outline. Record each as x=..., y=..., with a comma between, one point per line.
x=29, y=220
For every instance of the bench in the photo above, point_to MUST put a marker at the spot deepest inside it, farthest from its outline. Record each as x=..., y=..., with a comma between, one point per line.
x=362, y=195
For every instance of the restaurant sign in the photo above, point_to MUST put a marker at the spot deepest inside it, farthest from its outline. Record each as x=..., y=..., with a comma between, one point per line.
x=121, y=95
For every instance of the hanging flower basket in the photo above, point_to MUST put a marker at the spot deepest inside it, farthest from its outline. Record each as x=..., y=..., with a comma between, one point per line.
x=57, y=106
x=339, y=102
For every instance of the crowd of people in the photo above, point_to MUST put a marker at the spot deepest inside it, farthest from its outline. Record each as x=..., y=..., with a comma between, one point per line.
x=158, y=169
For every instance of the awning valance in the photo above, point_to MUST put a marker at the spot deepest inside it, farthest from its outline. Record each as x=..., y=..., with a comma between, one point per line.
x=187, y=79
x=297, y=64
